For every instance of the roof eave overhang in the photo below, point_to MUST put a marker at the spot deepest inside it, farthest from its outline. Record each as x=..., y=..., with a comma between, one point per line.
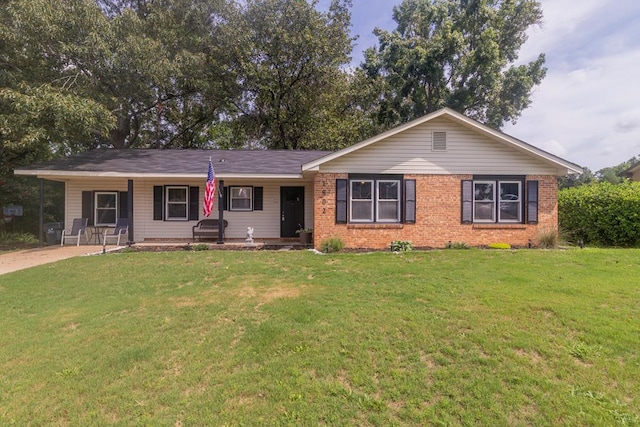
x=57, y=174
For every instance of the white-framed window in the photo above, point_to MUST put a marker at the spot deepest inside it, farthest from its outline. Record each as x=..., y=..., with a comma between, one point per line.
x=388, y=201
x=510, y=207
x=177, y=202
x=241, y=198
x=361, y=201
x=484, y=201
x=497, y=201
x=374, y=200
x=106, y=207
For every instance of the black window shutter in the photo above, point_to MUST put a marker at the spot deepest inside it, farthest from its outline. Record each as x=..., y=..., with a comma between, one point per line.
x=532, y=202
x=123, y=204
x=410, y=201
x=342, y=187
x=194, y=203
x=87, y=206
x=226, y=198
x=158, y=202
x=257, y=198
x=467, y=201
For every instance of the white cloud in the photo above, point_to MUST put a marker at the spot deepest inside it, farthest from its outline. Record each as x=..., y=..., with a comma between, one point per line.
x=587, y=106
x=592, y=113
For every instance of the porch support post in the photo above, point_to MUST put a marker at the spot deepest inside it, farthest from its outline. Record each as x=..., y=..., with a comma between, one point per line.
x=41, y=221
x=130, y=211
x=220, y=212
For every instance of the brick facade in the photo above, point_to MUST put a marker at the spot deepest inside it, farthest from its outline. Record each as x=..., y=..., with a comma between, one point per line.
x=438, y=216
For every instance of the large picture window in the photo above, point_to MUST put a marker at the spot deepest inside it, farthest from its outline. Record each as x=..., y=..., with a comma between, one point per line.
x=497, y=201
x=106, y=207
x=177, y=201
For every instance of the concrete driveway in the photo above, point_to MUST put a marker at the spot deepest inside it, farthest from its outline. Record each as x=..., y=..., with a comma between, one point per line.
x=18, y=260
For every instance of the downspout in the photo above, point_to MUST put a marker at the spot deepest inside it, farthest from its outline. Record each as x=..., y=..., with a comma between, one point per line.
x=220, y=212
x=41, y=221
x=130, y=211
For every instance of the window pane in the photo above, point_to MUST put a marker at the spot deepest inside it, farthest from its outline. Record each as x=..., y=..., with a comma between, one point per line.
x=241, y=204
x=483, y=191
x=177, y=210
x=106, y=201
x=361, y=190
x=388, y=190
x=361, y=211
x=177, y=195
x=240, y=192
x=388, y=211
x=509, y=191
x=483, y=211
x=106, y=216
x=510, y=211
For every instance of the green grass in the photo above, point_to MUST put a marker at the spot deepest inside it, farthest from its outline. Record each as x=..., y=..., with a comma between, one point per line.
x=291, y=338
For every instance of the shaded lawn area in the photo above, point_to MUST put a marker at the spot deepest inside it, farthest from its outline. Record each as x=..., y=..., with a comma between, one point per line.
x=291, y=338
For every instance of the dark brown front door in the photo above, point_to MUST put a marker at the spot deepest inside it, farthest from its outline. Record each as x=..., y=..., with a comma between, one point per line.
x=291, y=210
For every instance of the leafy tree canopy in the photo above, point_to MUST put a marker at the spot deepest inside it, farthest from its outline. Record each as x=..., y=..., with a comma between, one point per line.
x=292, y=75
x=456, y=53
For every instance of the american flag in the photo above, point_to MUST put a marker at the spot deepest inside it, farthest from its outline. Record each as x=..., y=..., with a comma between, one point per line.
x=210, y=192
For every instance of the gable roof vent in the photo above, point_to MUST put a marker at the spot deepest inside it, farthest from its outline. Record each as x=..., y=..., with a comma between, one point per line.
x=439, y=141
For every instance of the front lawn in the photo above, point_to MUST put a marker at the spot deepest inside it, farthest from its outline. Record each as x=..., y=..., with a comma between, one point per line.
x=454, y=337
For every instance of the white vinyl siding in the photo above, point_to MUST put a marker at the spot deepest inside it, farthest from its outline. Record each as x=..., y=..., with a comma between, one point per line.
x=411, y=152
x=266, y=223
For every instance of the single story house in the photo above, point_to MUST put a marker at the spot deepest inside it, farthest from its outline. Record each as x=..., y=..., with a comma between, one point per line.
x=440, y=178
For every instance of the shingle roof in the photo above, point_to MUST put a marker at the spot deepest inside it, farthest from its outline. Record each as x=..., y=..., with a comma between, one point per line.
x=180, y=162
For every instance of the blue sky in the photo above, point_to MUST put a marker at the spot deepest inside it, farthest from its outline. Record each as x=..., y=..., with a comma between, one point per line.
x=587, y=109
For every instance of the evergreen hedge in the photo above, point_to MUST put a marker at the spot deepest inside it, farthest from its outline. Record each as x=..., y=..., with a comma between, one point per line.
x=601, y=213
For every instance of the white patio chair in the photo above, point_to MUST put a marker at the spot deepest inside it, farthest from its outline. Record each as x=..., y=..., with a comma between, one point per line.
x=122, y=228
x=78, y=229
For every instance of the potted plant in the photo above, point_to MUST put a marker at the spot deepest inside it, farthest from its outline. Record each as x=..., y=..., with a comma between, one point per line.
x=306, y=235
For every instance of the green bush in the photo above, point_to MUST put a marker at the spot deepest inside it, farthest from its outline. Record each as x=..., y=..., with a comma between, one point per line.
x=601, y=213
x=12, y=238
x=331, y=244
x=201, y=247
x=401, y=246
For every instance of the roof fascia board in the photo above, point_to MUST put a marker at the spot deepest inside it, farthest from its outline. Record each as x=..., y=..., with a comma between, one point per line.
x=86, y=174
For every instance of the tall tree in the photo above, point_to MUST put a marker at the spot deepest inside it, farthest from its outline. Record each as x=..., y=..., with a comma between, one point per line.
x=162, y=69
x=459, y=54
x=292, y=71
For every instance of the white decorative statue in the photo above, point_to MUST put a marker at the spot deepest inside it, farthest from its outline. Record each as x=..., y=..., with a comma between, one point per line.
x=249, y=238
